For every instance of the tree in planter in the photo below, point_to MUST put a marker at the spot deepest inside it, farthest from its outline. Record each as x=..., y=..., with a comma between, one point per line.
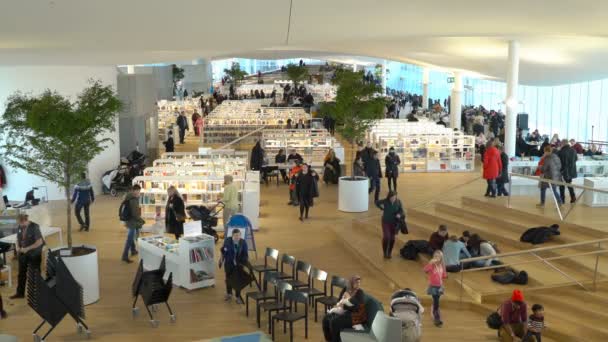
x=178, y=75
x=235, y=73
x=356, y=107
x=297, y=73
x=53, y=138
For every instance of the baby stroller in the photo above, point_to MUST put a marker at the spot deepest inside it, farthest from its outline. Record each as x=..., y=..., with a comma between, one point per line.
x=120, y=178
x=406, y=306
x=207, y=216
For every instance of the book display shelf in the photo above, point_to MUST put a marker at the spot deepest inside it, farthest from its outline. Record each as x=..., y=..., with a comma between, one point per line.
x=311, y=144
x=322, y=92
x=191, y=259
x=424, y=146
x=246, y=89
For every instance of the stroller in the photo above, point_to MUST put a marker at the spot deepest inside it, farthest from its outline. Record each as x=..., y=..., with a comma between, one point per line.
x=120, y=179
x=207, y=216
x=406, y=306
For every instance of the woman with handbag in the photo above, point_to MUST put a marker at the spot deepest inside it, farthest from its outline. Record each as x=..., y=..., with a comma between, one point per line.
x=392, y=217
x=175, y=213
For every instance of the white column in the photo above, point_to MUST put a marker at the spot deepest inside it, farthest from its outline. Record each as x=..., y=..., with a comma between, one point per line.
x=425, y=88
x=456, y=100
x=384, y=76
x=355, y=67
x=511, y=101
x=198, y=76
x=130, y=69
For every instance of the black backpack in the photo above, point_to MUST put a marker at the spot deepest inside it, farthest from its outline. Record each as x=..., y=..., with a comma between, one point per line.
x=521, y=278
x=409, y=251
x=124, y=212
x=505, y=277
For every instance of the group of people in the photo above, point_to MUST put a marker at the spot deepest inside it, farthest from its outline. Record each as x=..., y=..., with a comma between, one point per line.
x=367, y=164
x=495, y=169
x=557, y=164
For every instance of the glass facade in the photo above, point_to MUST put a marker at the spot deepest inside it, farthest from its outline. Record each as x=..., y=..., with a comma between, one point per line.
x=252, y=66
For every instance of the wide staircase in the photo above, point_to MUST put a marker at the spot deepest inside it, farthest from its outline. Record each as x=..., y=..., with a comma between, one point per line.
x=564, y=285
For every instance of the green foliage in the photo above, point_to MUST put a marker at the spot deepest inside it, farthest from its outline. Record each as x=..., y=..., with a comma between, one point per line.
x=297, y=73
x=235, y=73
x=178, y=73
x=51, y=137
x=356, y=108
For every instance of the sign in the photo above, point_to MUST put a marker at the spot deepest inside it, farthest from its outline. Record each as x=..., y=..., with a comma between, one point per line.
x=451, y=79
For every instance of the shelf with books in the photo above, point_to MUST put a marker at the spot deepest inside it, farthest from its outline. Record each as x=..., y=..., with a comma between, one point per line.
x=311, y=144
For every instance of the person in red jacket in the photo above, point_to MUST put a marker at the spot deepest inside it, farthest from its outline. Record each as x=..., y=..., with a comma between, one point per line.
x=492, y=167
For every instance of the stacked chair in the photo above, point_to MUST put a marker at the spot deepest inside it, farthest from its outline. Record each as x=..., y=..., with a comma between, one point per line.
x=153, y=290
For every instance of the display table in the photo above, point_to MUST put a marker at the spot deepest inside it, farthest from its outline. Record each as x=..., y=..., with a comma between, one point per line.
x=45, y=231
x=191, y=260
x=596, y=199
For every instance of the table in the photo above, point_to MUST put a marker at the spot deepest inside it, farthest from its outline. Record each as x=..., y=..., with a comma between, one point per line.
x=46, y=231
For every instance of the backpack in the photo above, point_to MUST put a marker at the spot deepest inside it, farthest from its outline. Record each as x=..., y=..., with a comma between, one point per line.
x=409, y=251
x=505, y=277
x=521, y=278
x=494, y=320
x=124, y=212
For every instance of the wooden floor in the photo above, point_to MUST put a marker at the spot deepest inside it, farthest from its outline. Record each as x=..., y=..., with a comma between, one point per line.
x=203, y=314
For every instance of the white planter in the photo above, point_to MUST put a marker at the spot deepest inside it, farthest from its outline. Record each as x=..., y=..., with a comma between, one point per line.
x=353, y=196
x=85, y=269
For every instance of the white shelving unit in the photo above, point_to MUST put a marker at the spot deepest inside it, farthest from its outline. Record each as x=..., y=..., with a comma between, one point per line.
x=191, y=259
x=311, y=144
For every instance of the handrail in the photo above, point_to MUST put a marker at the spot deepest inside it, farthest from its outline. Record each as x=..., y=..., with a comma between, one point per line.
x=241, y=138
x=537, y=178
x=534, y=250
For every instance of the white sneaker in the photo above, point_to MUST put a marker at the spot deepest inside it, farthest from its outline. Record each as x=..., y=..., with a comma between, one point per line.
x=228, y=297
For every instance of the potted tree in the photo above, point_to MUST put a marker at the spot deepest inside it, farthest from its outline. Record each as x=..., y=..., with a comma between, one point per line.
x=178, y=75
x=296, y=73
x=235, y=73
x=54, y=138
x=355, y=110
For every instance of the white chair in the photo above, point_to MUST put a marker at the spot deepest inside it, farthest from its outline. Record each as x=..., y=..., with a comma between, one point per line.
x=384, y=329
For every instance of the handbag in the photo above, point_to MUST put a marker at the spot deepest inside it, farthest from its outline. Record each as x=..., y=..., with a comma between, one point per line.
x=402, y=225
x=494, y=320
x=179, y=217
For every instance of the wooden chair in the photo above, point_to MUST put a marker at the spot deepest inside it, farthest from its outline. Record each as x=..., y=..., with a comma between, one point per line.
x=331, y=300
x=293, y=298
x=270, y=253
x=301, y=267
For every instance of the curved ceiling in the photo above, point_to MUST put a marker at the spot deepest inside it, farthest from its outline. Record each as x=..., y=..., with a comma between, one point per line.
x=562, y=41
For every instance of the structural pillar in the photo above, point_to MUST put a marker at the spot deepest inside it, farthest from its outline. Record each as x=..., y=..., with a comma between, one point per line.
x=384, y=76
x=425, y=88
x=355, y=67
x=455, y=102
x=198, y=76
x=511, y=101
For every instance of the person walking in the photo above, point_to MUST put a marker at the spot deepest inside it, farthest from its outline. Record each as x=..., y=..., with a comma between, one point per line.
x=29, y=251
x=175, y=213
x=392, y=213
x=234, y=258
x=391, y=163
x=367, y=154
x=182, y=123
x=83, y=196
x=374, y=173
x=504, y=174
x=306, y=189
x=568, y=157
x=551, y=169
x=133, y=223
x=257, y=157
x=169, y=143
x=492, y=166
x=230, y=198
x=436, y=272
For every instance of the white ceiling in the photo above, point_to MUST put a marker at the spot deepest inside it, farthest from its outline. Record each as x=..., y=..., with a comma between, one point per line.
x=562, y=41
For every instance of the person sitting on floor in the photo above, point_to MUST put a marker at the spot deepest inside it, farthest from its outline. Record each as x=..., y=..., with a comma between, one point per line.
x=453, y=252
x=480, y=248
x=514, y=314
x=438, y=238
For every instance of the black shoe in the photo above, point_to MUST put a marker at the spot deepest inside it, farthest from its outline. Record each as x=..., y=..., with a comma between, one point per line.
x=492, y=196
x=301, y=219
x=134, y=253
x=86, y=228
x=16, y=296
x=82, y=227
x=573, y=200
x=486, y=195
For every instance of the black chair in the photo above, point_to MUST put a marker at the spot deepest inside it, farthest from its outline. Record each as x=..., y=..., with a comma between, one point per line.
x=301, y=267
x=263, y=294
x=311, y=291
x=293, y=298
x=278, y=304
x=291, y=262
x=270, y=253
x=331, y=300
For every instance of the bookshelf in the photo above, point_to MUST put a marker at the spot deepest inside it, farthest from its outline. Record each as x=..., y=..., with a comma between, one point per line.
x=191, y=259
x=311, y=144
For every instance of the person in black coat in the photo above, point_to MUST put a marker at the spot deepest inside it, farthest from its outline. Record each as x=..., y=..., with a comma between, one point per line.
x=169, y=144
x=367, y=154
x=175, y=213
x=503, y=178
x=374, y=173
x=331, y=168
x=281, y=158
x=391, y=163
x=568, y=156
x=306, y=189
x=234, y=258
x=257, y=157
x=294, y=157
x=182, y=123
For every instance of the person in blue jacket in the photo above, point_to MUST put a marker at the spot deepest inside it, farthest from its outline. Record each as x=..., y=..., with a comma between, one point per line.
x=234, y=256
x=83, y=196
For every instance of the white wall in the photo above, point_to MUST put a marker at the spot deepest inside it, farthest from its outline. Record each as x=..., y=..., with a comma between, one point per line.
x=69, y=81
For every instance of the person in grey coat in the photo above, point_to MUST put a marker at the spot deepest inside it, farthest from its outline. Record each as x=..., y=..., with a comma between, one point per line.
x=552, y=170
x=568, y=157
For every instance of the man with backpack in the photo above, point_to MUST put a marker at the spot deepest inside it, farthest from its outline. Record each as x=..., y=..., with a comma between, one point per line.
x=130, y=214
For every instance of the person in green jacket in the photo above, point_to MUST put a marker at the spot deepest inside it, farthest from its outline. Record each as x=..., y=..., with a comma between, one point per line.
x=134, y=223
x=392, y=212
x=230, y=199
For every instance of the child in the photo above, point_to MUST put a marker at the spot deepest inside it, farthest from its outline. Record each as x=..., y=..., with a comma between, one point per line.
x=536, y=323
x=436, y=271
x=169, y=145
